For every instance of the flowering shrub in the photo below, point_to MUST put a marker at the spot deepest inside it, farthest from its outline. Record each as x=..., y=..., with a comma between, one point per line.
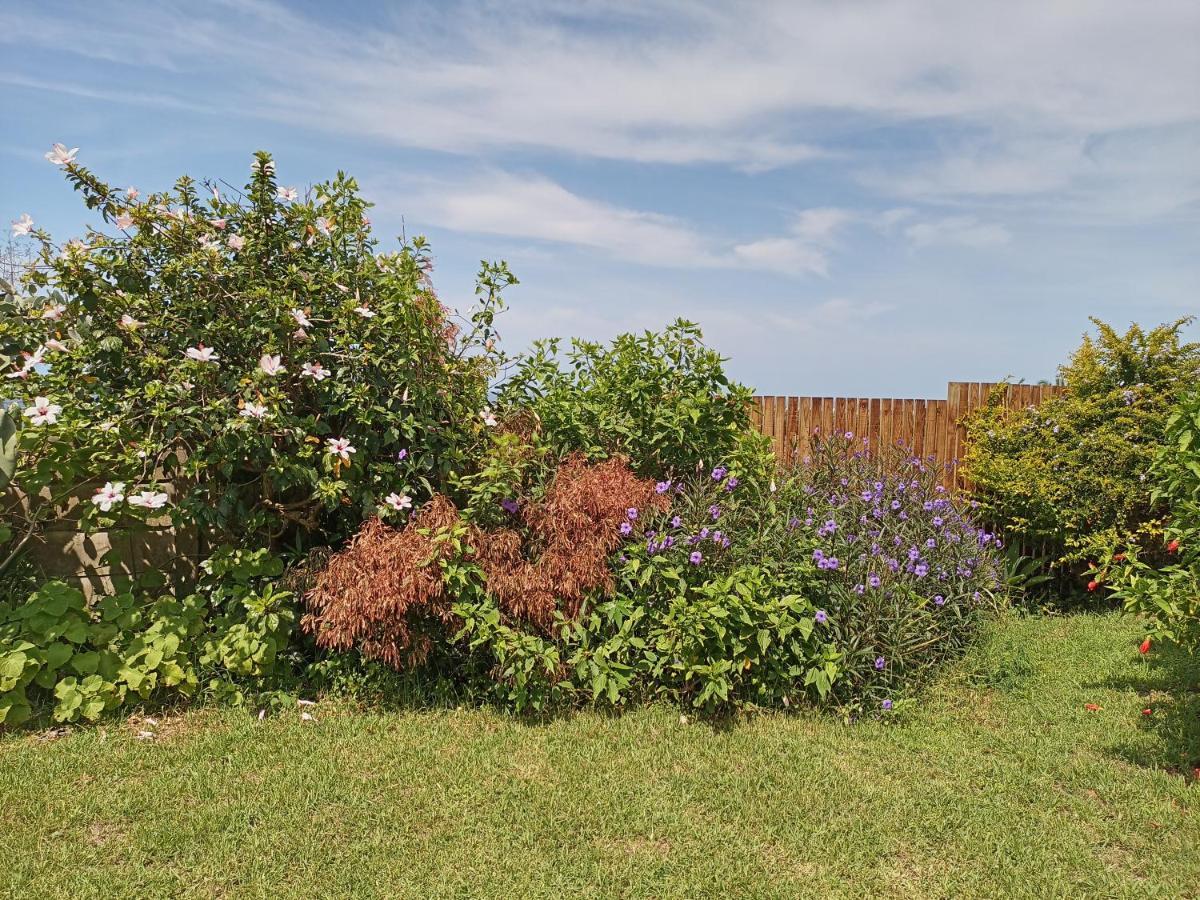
x=251, y=348
x=1070, y=475
x=660, y=399
x=1162, y=582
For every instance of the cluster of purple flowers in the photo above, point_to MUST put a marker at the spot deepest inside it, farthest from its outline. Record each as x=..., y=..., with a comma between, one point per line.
x=896, y=531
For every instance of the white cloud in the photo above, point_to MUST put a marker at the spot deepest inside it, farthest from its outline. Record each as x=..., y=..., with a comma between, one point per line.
x=966, y=231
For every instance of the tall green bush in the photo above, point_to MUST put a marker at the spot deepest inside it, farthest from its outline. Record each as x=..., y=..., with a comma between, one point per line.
x=1071, y=476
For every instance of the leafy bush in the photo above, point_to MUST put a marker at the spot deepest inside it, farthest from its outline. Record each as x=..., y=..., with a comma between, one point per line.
x=127, y=648
x=1162, y=582
x=1069, y=476
x=253, y=349
x=660, y=399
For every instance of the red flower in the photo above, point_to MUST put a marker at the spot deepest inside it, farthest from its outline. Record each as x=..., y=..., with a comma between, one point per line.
x=1147, y=711
x=1092, y=585
x=1092, y=707
x=1120, y=557
x=1173, y=546
x=1144, y=646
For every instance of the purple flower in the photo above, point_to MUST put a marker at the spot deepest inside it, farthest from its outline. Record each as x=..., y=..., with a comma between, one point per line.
x=696, y=558
x=510, y=506
x=874, y=580
x=715, y=512
x=626, y=528
x=402, y=455
x=703, y=532
x=725, y=541
x=818, y=554
x=662, y=487
x=716, y=536
x=793, y=522
x=886, y=704
x=821, y=618
x=867, y=496
x=719, y=472
x=895, y=504
x=860, y=589
x=676, y=522
x=880, y=662
x=731, y=484
x=937, y=521
x=921, y=570
x=632, y=512
x=939, y=600
x=849, y=435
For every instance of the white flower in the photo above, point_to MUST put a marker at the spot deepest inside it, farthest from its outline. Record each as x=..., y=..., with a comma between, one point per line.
x=289, y=194
x=325, y=224
x=76, y=246
x=218, y=224
x=53, y=344
x=301, y=318
x=148, y=499
x=254, y=411
x=489, y=418
x=61, y=156
x=108, y=496
x=340, y=447
x=315, y=371
x=128, y=321
x=54, y=311
x=271, y=365
x=235, y=242
x=42, y=412
x=131, y=192
x=200, y=353
x=398, y=502
x=124, y=221
x=22, y=226
x=365, y=311
x=32, y=360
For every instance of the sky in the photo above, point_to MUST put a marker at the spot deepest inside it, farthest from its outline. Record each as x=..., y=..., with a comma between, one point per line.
x=852, y=198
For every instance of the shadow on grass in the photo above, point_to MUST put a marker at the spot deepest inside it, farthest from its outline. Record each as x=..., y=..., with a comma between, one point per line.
x=1169, y=686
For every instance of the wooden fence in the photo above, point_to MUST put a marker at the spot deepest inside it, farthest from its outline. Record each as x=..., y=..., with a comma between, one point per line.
x=927, y=427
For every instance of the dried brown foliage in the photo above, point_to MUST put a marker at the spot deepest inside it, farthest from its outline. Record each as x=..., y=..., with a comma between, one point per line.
x=571, y=533
x=381, y=590
x=384, y=590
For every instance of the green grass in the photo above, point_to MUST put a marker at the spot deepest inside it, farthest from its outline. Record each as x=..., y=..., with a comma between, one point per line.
x=998, y=784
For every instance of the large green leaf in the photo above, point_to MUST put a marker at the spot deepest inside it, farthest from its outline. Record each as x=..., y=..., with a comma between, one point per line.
x=8, y=449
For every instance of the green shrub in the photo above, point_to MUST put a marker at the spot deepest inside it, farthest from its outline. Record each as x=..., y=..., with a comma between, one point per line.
x=253, y=349
x=83, y=661
x=1162, y=581
x=1070, y=476
x=661, y=399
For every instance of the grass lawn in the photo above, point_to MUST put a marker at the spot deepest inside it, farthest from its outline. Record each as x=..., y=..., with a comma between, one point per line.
x=999, y=784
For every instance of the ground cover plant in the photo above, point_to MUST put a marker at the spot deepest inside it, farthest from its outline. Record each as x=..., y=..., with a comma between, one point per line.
x=1029, y=771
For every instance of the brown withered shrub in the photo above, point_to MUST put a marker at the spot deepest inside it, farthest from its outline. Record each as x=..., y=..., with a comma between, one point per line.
x=382, y=591
x=571, y=533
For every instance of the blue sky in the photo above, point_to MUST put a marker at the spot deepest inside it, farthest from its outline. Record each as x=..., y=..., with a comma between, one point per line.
x=851, y=198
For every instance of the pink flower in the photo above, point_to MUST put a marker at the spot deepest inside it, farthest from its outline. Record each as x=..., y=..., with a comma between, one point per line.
x=218, y=224
x=108, y=496
x=61, y=156
x=301, y=318
x=124, y=221
x=54, y=311
x=340, y=447
x=325, y=224
x=148, y=499
x=132, y=192
x=203, y=354
x=54, y=344
x=235, y=242
x=398, y=502
x=42, y=412
x=254, y=411
x=130, y=323
x=315, y=371
x=271, y=365
x=22, y=226
x=289, y=194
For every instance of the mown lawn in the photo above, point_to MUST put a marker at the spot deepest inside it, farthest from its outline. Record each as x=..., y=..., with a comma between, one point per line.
x=1000, y=784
